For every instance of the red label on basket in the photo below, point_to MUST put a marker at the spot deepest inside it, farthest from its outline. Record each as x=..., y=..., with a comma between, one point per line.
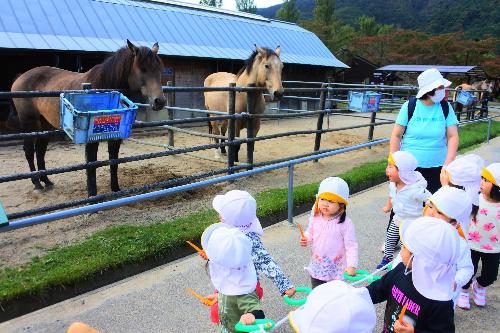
x=105, y=124
x=372, y=101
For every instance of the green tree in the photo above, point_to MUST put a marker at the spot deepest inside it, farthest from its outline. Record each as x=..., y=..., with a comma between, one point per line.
x=246, y=6
x=213, y=3
x=288, y=12
x=323, y=12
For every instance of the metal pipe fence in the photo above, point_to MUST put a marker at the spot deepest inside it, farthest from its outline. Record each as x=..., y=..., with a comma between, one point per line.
x=232, y=142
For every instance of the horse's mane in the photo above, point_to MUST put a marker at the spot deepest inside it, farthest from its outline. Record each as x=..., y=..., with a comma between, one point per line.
x=249, y=62
x=115, y=70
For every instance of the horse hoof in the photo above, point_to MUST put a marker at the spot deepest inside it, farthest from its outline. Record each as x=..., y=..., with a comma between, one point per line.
x=224, y=153
x=49, y=185
x=115, y=189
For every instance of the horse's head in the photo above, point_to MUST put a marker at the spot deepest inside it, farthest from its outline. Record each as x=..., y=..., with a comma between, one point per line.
x=267, y=67
x=145, y=74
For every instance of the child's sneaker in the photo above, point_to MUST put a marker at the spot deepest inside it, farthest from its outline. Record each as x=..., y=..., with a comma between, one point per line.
x=384, y=262
x=463, y=300
x=478, y=294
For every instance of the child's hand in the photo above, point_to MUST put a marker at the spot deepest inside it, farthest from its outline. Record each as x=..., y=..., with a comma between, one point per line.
x=386, y=209
x=247, y=319
x=213, y=297
x=351, y=271
x=404, y=327
x=303, y=242
x=290, y=292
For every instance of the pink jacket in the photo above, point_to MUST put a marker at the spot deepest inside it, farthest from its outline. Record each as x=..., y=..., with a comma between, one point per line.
x=333, y=247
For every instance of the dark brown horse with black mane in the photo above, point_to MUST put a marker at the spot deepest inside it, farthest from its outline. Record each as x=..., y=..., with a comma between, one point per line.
x=134, y=70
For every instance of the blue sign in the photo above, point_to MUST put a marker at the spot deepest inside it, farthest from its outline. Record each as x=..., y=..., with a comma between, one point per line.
x=3, y=216
x=168, y=71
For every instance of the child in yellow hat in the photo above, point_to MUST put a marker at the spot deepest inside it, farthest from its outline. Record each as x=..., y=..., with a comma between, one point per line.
x=334, y=248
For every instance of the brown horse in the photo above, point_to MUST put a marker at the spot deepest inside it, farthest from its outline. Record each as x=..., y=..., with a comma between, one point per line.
x=134, y=70
x=263, y=68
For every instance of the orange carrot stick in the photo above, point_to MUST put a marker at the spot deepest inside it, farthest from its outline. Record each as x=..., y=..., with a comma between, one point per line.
x=204, y=300
x=194, y=246
x=402, y=314
x=301, y=231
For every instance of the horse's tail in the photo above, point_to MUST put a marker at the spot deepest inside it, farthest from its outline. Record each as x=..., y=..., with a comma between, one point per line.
x=13, y=118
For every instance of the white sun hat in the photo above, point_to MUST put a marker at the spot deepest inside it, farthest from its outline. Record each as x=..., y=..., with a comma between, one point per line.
x=229, y=253
x=334, y=189
x=430, y=79
x=406, y=164
x=492, y=173
x=435, y=248
x=238, y=209
x=466, y=171
x=335, y=307
x=454, y=203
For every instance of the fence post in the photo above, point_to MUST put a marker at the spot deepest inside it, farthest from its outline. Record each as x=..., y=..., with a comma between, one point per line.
x=328, y=102
x=321, y=116
x=231, y=128
x=170, y=113
x=90, y=156
x=251, y=99
x=372, y=127
x=290, y=194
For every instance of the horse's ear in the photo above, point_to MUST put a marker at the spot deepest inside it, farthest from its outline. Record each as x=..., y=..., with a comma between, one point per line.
x=260, y=50
x=132, y=47
x=278, y=50
x=155, y=48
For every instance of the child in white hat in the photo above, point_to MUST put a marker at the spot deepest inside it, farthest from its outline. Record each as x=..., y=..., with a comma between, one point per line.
x=334, y=248
x=483, y=235
x=239, y=209
x=335, y=307
x=233, y=274
x=465, y=173
x=453, y=206
x=423, y=281
x=407, y=194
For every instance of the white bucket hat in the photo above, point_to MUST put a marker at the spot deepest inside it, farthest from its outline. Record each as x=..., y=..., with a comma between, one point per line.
x=335, y=307
x=454, y=203
x=333, y=189
x=492, y=173
x=406, y=164
x=229, y=253
x=238, y=209
x=435, y=250
x=430, y=79
x=466, y=171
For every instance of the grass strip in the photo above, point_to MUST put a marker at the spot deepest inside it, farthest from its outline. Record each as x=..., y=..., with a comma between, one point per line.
x=121, y=245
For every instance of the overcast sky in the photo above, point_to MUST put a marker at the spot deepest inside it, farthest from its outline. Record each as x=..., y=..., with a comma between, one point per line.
x=231, y=4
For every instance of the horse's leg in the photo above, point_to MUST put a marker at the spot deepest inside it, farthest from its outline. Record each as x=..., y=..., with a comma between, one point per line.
x=113, y=150
x=223, y=132
x=238, y=146
x=216, y=131
x=29, y=152
x=41, y=148
x=91, y=156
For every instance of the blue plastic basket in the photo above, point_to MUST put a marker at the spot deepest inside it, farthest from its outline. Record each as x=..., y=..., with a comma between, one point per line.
x=102, y=116
x=465, y=98
x=365, y=101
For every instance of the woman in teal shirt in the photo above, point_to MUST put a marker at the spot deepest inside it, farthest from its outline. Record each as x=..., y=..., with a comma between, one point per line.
x=428, y=135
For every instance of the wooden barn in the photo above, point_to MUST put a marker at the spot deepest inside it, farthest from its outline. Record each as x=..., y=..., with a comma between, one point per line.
x=194, y=40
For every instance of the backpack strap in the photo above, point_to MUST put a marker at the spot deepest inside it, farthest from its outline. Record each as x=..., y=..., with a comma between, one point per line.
x=446, y=109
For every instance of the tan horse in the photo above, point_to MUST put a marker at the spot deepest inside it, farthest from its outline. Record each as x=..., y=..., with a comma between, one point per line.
x=263, y=68
x=135, y=70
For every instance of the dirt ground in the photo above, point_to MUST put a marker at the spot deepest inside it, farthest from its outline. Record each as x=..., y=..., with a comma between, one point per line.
x=19, y=246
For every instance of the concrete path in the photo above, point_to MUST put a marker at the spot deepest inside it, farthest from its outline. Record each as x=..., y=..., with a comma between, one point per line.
x=156, y=301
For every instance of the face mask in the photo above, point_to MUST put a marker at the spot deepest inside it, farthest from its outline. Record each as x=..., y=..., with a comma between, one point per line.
x=438, y=96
